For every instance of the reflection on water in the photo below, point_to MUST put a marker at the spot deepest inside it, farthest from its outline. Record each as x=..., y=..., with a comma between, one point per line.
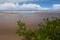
x=8, y=23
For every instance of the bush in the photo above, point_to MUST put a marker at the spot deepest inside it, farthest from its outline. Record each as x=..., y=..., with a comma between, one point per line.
x=50, y=30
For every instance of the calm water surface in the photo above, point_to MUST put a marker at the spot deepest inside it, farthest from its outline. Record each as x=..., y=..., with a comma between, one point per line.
x=8, y=23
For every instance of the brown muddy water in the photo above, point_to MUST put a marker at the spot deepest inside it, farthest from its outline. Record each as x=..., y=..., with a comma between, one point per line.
x=8, y=23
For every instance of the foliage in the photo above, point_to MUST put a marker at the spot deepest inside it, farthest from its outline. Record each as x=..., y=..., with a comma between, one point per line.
x=50, y=30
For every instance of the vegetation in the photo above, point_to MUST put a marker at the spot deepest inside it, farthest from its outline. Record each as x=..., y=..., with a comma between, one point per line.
x=50, y=30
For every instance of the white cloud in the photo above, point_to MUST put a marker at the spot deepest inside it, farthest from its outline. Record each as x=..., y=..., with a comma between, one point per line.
x=12, y=6
x=16, y=1
x=33, y=7
x=56, y=6
x=12, y=1
x=7, y=6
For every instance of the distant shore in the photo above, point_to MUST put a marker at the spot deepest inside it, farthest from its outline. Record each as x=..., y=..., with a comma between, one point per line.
x=32, y=12
x=9, y=12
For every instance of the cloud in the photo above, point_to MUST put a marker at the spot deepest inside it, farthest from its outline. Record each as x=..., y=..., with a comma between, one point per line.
x=56, y=6
x=12, y=1
x=7, y=6
x=16, y=1
x=32, y=7
x=12, y=6
x=29, y=7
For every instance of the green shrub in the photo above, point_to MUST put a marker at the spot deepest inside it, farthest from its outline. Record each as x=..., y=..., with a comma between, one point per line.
x=49, y=30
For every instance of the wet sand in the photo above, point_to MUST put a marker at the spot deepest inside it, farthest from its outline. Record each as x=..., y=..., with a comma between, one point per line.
x=8, y=23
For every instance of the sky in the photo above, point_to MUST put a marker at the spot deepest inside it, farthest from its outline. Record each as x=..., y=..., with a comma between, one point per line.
x=30, y=5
